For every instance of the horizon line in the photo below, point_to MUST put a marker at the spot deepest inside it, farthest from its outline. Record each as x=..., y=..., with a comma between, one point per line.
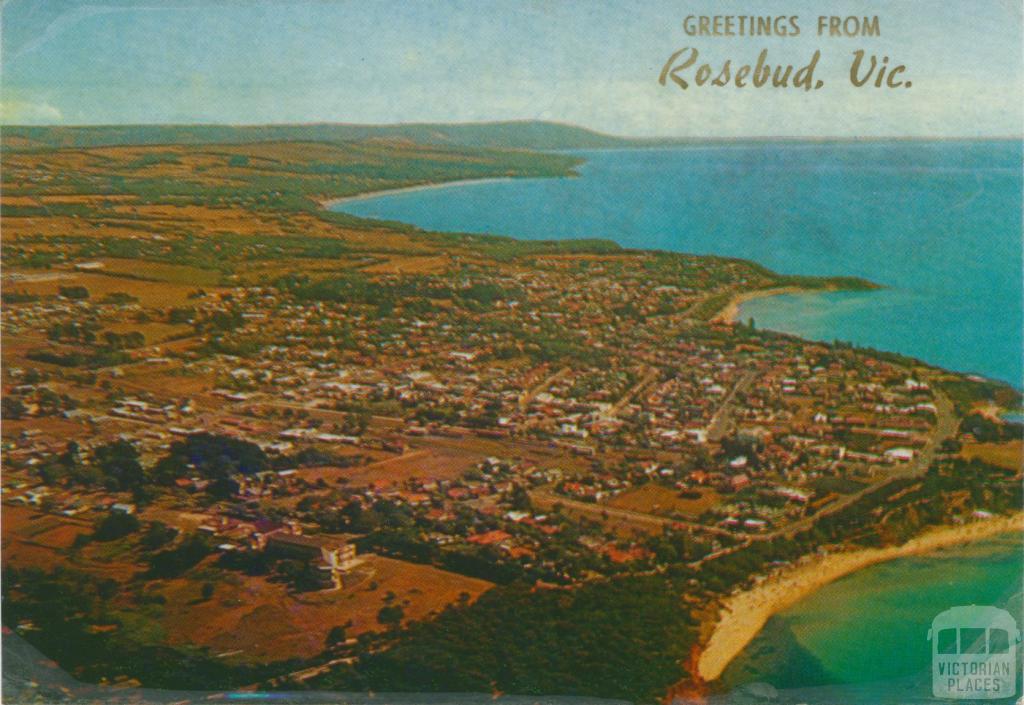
x=519, y=121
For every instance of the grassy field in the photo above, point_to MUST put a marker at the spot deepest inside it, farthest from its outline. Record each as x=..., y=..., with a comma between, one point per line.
x=150, y=294
x=516, y=134
x=154, y=331
x=166, y=220
x=664, y=501
x=34, y=539
x=251, y=618
x=162, y=272
x=256, y=620
x=1009, y=455
x=444, y=463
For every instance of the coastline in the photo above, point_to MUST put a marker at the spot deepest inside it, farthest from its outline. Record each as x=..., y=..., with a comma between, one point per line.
x=743, y=615
x=366, y=195
x=730, y=312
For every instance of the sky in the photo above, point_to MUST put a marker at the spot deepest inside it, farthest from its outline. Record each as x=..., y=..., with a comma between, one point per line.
x=588, y=62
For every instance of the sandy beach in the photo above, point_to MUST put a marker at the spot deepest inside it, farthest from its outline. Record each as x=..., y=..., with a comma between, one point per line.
x=408, y=189
x=743, y=615
x=732, y=309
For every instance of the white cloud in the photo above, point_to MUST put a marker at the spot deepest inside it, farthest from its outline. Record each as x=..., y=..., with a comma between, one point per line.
x=16, y=112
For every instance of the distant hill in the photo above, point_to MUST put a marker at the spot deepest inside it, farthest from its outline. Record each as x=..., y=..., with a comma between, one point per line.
x=534, y=135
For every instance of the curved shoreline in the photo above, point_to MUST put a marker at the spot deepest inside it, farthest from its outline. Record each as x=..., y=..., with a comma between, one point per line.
x=743, y=615
x=727, y=315
x=367, y=195
x=731, y=311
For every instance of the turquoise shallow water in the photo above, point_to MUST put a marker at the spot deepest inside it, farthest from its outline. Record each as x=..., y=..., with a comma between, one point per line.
x=870, y=628
x=939, y=223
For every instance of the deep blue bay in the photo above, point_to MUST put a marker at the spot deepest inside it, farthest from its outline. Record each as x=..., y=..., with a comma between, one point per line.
x=936, y=223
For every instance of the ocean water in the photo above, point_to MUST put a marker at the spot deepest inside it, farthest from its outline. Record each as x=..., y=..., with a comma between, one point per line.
x=867, y=632
x=937, y=223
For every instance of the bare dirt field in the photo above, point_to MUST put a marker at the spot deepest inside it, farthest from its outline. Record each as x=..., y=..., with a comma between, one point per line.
x=37, y=540
x=436, y=463
x=151, y=294
x=255, y=620
x=656, y=499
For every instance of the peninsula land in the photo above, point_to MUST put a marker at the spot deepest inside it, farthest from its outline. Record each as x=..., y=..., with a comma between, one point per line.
x=250, y=442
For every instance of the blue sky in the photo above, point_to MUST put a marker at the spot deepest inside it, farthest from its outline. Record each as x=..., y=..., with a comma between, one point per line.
x=581, y=61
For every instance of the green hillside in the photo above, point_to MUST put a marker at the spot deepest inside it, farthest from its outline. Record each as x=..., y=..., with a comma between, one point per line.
x=504, y=135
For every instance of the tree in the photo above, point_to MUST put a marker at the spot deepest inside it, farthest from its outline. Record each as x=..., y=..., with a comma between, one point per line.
x=12, y=408
x=119, y=462
x=216, y=456
x=356, y=422
x=302, y=575
x=181, y=315
x=175, y=561
x=223, y=488
x=116, y=525
x=168, y=469
x=157, y=535
x=390, y=615
x=335, y=636
x=52, y=473
x=521, y=499
x=50, y=402
x=73, y=292
x=71, y=455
